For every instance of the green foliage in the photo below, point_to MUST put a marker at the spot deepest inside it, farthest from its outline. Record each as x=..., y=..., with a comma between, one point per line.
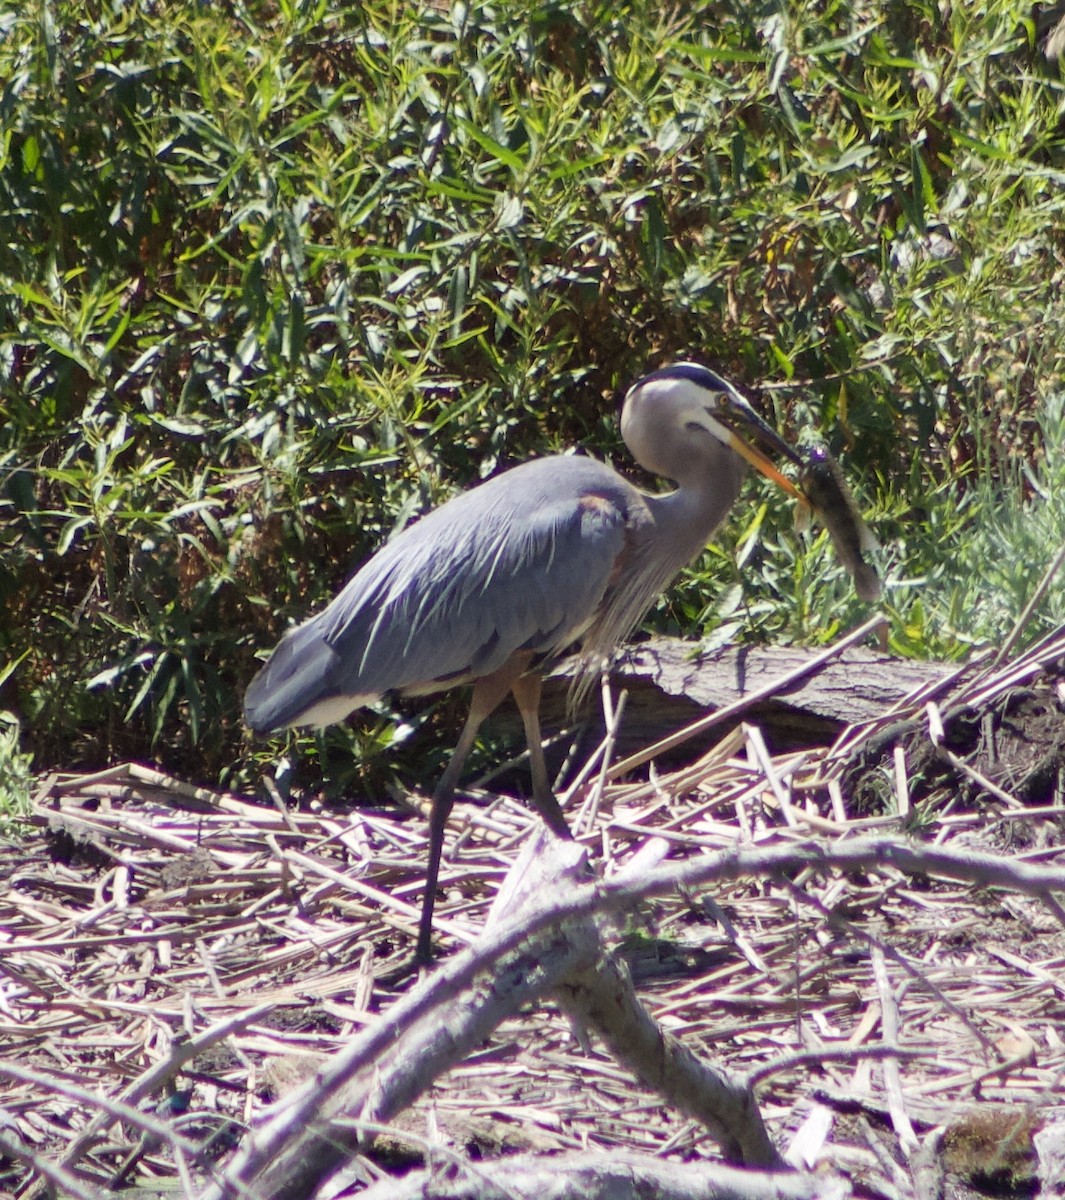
x=274, y=278
x=15, y=766
x=15, y=773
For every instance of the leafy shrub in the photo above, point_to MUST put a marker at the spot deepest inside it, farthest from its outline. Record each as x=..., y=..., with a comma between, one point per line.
x=276, y=278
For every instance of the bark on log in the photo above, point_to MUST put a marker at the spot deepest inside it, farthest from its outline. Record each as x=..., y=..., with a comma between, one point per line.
x=670, y=684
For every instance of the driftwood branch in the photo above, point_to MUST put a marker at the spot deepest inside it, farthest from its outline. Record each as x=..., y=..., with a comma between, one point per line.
x=308, y=1136
x=307, y=1139
x=602, y=998
x=599, y=996
x=597, y=1176
x=865, y=854
x=858, y=854
x=535, y=947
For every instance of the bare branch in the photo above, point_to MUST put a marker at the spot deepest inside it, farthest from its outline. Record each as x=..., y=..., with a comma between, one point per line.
x=597, y=1176
x=307, y=1137
x=602, y=996
x=56, y=1175
x=850, y=854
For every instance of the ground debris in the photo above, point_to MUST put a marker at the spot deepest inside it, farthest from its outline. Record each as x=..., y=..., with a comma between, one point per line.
x=158, y=939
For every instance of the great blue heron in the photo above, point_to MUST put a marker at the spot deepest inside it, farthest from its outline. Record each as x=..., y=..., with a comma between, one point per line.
x=502, y=579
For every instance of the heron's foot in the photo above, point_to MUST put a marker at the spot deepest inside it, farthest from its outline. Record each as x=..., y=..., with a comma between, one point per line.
x=553, y=817
x=423, y=952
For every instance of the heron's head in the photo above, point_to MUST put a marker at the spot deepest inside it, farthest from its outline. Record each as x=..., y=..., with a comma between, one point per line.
x=681, y=417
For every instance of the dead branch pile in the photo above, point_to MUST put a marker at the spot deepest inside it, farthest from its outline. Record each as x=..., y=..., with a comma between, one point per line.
x=172, y=961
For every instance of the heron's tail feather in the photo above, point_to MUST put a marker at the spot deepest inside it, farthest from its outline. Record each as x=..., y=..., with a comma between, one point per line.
x=296, y=685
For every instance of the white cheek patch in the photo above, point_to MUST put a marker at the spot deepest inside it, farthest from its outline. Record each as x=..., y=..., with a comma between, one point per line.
x=700, y=417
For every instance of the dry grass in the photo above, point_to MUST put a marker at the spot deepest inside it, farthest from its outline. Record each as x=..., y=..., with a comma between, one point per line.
x=142, y=912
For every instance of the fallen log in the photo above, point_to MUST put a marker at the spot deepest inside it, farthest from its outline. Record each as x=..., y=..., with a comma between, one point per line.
x=670, y=683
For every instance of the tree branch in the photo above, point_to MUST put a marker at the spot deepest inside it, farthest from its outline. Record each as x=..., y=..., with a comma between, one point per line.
x=544, y=938
x=595, y=1176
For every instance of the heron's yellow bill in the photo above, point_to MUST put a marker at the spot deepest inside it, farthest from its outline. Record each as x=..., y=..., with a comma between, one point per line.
x=760, y=463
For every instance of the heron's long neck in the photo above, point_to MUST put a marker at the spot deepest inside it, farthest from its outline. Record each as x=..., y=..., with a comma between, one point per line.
x=672, y=531
x=686, y=519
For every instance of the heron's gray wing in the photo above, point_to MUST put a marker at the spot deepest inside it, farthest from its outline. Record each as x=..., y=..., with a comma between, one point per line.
x=519, y=563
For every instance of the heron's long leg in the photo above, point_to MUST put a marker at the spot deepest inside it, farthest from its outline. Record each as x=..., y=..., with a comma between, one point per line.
x=487, y=694
x=527, y=694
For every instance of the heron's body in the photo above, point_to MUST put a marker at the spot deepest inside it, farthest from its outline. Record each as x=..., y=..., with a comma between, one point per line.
x=482, y=590
x=546, y=557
